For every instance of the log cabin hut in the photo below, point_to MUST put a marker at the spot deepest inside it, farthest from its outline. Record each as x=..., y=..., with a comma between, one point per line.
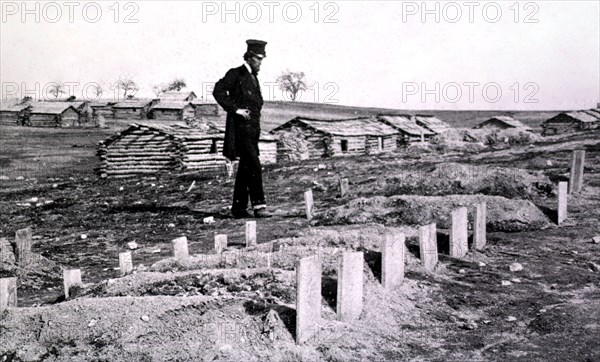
x=207, y=109
x=503, y=122
x=172, y=111
x=572, y=121
x=134, y=109
x=409, y=130
x=174, y=96
x=143, y=149
x=341, y=137
x=267, y=143
x=52, y=114
x=432, y=123
x=102, y=108
x=11, y=113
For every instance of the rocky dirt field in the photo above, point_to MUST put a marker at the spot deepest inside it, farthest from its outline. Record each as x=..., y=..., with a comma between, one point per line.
x=241, y=305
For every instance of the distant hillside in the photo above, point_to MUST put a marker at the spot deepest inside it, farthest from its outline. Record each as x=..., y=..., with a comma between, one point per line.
x=276, y=113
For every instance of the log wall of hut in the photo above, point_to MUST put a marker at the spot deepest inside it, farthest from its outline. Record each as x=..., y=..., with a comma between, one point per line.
x=138, y=152
x=405, y=138
x=378, y=144
x=202, y=153
x=43, y=120
x=9, y=117
x=207, y=110
x=130, y=113
x=563, y=123
x=268, y=152
x=166, y=114
x=348, y=145
x=69, y=118
x=104, y=111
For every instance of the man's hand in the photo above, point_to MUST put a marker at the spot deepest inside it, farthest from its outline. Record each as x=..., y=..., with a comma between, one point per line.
x=244, y=113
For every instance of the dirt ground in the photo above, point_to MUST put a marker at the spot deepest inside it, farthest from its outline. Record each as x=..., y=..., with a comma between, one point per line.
x=241, y=305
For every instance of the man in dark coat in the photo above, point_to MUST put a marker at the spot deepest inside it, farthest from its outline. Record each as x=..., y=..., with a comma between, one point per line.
x=238, y=92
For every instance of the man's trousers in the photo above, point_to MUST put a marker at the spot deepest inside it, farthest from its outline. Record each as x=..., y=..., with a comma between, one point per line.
x=248, y=181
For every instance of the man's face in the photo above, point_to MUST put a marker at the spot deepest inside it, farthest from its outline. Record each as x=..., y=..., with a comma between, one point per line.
x=254, y=63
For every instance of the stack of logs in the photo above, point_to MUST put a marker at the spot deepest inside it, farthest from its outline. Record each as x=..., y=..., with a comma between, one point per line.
x=148, y=149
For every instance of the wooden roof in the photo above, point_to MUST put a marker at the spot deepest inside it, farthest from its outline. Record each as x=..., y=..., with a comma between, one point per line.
x=176, y=96
x=405, y=124
x=579, y=116
x=176, y=132
x=507, y=120
x=432, y=123
x=171, y=105
x=133, y=103
x=50, y=107
x=11, y=107
x=352, y=127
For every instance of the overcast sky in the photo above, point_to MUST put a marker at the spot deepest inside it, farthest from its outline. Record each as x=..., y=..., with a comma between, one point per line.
x=475, y=55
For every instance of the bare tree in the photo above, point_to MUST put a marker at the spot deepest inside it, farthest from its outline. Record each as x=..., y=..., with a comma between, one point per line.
x=177, y=84
x=159, y=89
x=127, y=85
x=97, y=90
x=292, y=82
x=56, y=89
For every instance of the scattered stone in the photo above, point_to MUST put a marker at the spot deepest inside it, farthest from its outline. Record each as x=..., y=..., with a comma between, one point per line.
x=209, y=220
x=20, y=178
x=191, y=186
x=515, y=267
x=92, y=323
x=322, y=166
x=549, y=163
x=481, y=264
x=511, y=319
x=595, y=267
x=121, y=188
x=515, y=280
x=132, y=245
x=470, y=325
x=461, y=271
x=273, y=326
x=506, y=283
x=171, y=225
x=3, y=178
x=145, y=318
x=155, y=251
x=596, y=239
x=33, y=200
x=83, y=236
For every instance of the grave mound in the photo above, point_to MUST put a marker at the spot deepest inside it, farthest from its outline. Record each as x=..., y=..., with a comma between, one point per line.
x=502, y=214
